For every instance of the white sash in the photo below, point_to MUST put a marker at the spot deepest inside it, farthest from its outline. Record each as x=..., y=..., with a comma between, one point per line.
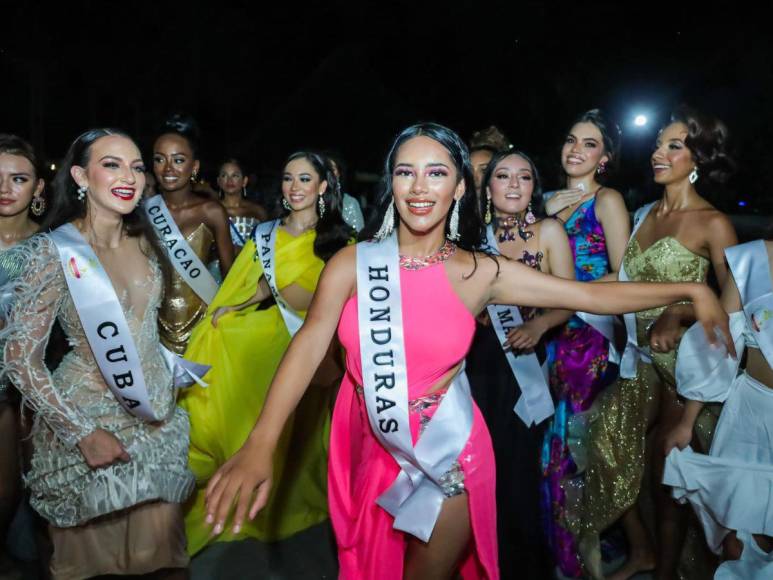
x=265, y=240
x=633, y=352
x=105, y=326
x=535, y=403
x=185, y=261
x=751, y=272
x=415, y=498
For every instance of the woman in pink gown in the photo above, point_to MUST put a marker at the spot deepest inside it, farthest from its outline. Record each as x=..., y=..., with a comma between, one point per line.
x=427, y=173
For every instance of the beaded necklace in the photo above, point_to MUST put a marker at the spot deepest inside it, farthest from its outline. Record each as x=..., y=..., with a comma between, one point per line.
x=444, y=253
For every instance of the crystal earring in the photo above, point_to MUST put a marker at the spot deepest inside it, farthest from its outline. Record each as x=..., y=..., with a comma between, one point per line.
x=529, y=218
x=453, y=226
x=602, y=168
x=487, y=217
x=388, y=225
x=38, y=205
x=82, y=192
x=194, y=177
x=693, y=177
x=286, y=204
x=321, y=206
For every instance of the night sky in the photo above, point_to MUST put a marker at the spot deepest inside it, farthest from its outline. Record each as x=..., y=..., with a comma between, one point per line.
x=265, y=79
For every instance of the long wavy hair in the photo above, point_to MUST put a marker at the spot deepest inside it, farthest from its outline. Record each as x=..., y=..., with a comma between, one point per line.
x=66, y=207
x=472, y=233
x=333, y=233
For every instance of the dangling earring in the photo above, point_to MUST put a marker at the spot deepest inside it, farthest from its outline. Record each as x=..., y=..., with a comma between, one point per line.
x=321, y=206
x=529, y=218
x=693, y=177
x=194, y=177
x=453, y=226
x=487, y=217
x=388, y=225
x=38, y=205
x=602, y=168
x=244, y=192
x=82, y=192
x=286, y=204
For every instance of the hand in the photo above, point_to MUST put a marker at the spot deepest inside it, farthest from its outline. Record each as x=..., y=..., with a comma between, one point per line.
x=667, y=330
x=562, y=199
x=526, y=336
x=101, y=448
x=680, y=436
x=219, y=312
x=713, y=318
x=248, y=471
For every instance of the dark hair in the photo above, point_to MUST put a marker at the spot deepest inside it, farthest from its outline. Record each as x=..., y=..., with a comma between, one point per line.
x=471, y=228
x=333, y=233
x=65, y=205
x=232, y=161
x=186, y=127
x=538, y=203
x=489, y=148
x=14, y=145
x=337, y=159
x=610, y=136
x=707, y=141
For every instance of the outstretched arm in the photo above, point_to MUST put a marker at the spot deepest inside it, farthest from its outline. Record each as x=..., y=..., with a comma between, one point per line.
x=519, y=284
x=250, y=469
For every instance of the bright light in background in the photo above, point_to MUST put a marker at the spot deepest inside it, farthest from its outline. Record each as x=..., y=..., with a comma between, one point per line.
x=640, y=120
x=53, y=167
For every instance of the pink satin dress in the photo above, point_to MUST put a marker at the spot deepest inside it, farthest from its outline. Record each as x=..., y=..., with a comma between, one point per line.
x=438, y=331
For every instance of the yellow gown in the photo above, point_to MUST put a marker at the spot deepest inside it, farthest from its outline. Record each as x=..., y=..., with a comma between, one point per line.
x=244, y=352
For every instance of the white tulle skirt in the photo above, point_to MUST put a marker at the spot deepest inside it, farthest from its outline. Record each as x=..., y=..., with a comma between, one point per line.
x=731, y=488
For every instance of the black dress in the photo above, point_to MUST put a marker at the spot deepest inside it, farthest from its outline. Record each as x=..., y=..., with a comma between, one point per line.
x=523, y=548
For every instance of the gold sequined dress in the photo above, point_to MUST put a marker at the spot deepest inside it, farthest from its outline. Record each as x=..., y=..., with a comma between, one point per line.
x=182, y=309
x=617, y=436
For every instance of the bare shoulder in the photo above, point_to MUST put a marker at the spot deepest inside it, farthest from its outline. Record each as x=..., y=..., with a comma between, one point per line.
x=716, y=223
x=609, y=198
x=550, y=229
x=340, y=271
x=213, y=210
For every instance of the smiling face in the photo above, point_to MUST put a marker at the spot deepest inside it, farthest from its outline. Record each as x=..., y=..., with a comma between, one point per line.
x=672, y=161
x=301, y=184
x=231, y=180
x=18, y=184
x=114, y=175
x=511, y=185
x=173, y=162
x=425, y=182
x=480, y=160
x=583, y=150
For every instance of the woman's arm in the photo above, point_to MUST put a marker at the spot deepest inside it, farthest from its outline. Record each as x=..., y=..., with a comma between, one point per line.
x=217, y=219
x=262, y=292
x=519, y=284
x=614, y=219
x=560, y=263
x=250, y=468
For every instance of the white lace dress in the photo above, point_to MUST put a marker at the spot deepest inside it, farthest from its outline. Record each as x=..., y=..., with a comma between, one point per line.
x=74, y=401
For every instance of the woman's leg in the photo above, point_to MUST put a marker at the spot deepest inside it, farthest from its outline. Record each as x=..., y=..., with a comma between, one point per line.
x=641, y=556
x=439, y=558
x=671, y=517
